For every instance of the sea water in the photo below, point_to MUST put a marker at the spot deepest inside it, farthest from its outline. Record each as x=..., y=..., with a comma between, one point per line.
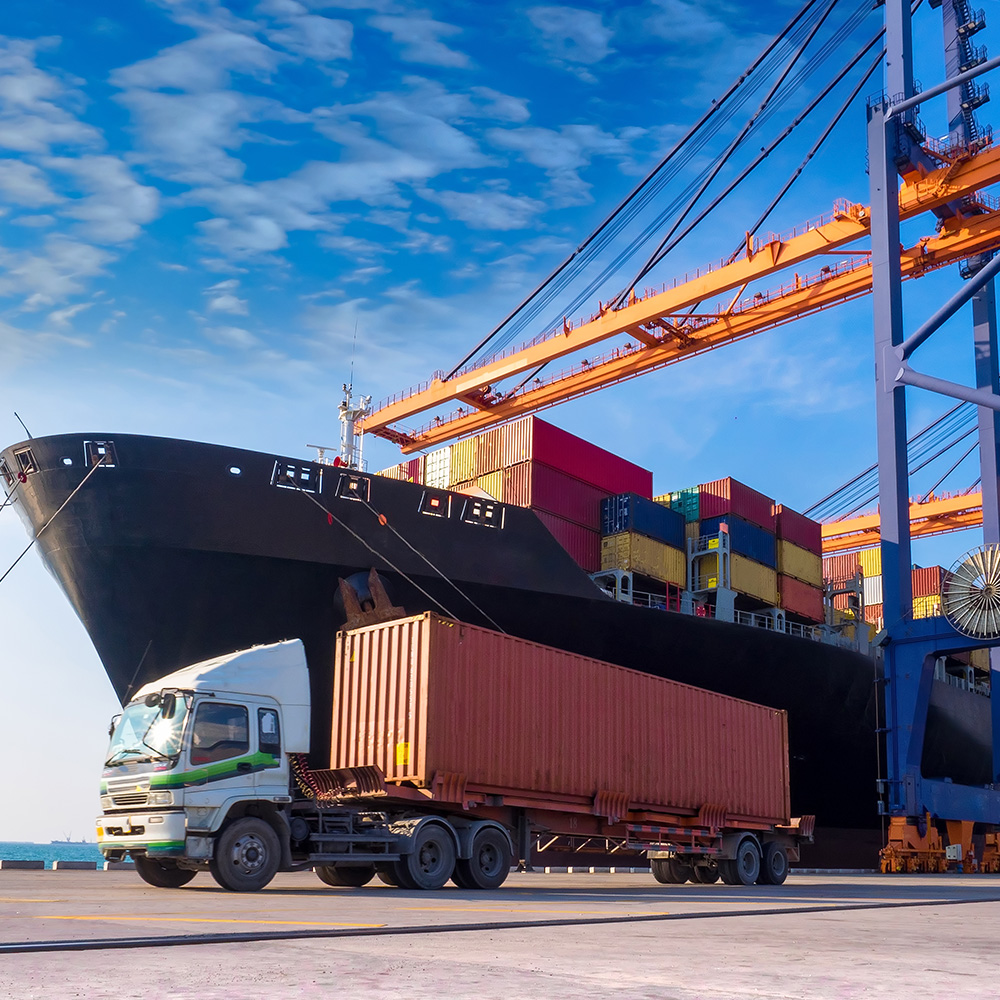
x=15, y=850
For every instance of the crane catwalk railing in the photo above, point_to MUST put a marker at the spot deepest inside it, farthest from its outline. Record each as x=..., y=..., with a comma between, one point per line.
x=647, y=319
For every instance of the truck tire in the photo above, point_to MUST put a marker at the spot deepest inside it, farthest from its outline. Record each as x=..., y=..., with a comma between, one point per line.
x=162, y=874
x=774, y=864
x=706, y=874
x=746, y=865
x=489, y=865
x=670, y=871
x=727, y=873
x=247, y=855
x=431, y=861
x=353, y=876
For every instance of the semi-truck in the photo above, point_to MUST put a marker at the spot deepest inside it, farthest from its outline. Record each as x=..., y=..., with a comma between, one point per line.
x=456, y=751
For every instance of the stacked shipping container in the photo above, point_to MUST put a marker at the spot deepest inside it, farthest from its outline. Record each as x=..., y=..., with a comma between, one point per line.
x=641, y=536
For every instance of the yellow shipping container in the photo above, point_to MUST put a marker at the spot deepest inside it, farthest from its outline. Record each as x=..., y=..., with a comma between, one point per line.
x=492, y=484
x=927, y=607
x=746, y=577
x=871, y=561
x=393, y=472
x=793, y=560
x=980, y=658
x=692, y=530
x=463, y=462
x=646, y=556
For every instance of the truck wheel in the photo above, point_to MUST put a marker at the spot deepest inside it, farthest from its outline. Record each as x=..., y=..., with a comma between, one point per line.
x=706, y=874
x=489, y=865
x=774, y=865
x=386, y=873
x=432, y=860
x=670, y=871
x=746, y=864
x=354, y=876
x=247, y=855
x=162, y=874
x=727, y=873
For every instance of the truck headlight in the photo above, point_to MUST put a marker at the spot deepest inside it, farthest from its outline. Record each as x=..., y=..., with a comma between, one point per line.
x=107, y=802
x=161, y=798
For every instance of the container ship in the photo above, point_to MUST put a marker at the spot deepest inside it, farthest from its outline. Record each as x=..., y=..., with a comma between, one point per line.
x=172, y=552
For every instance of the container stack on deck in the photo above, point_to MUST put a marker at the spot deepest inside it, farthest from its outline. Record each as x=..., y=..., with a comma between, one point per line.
x=534, y=464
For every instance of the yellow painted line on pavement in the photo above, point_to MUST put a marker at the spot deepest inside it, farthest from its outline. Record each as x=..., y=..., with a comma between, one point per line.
x=28, y=899
x=199, y=920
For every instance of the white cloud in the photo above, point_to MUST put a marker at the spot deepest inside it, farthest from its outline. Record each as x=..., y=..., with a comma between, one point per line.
x=231, y=336
x=222, y=298
x=24, y=185
x=62, y=317
x=487, y=209
x=54, y=275
x=315, y=37
x=116, y=207
x=420, y=38
x=574, y=38
x=34, y=221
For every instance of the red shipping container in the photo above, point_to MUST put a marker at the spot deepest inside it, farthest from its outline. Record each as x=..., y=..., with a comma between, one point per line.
x=798, y=529
x=427, y=697
x=841, y=567
x=799, y=598
x=928, y=580
x=729, y=496
x=873, y=614
x=581, y=543
x=534, y=485
x=558, y=449
x=413, y=470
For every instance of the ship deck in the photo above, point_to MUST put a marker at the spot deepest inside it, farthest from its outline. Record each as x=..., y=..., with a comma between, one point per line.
x=565, y=935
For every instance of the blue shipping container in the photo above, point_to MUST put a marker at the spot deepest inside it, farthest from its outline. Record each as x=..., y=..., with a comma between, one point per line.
x=747, y=539
x=631, y=512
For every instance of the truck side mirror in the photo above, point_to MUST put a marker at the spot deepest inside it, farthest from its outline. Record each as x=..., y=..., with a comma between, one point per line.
x=115, y=719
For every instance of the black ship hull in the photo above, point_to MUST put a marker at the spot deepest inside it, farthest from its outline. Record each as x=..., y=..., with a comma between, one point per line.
x=172, y=552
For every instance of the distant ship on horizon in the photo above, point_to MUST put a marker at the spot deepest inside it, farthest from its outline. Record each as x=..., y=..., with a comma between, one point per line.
x=69, y=840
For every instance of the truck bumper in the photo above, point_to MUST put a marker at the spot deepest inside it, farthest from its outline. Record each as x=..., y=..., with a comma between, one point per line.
x=159, y=834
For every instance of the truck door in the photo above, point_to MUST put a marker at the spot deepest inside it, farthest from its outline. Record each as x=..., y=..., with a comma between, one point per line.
x=272, y=773
x=220, y=754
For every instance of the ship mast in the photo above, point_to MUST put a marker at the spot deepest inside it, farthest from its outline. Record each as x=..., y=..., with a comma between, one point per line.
x=351, y=435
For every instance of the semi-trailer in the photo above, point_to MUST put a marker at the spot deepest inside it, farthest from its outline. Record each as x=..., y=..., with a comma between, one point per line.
x=454, y=749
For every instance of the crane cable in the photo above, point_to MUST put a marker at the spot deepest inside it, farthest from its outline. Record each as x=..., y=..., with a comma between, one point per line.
x=639, y=188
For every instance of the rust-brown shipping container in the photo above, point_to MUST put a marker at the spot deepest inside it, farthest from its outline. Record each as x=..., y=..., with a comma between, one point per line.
x=427, y=700
x=844, y=566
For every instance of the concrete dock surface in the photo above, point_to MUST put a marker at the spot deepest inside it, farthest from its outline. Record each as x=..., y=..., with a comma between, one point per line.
x=540, y=935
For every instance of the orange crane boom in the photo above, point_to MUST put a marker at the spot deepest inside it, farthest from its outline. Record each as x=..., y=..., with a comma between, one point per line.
x=664, y=331
x=931, y=517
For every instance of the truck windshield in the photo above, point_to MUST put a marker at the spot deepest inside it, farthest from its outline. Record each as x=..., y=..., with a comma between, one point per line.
x=148, y=732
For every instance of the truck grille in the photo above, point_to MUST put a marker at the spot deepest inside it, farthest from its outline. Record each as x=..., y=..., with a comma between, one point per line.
x=130, y=799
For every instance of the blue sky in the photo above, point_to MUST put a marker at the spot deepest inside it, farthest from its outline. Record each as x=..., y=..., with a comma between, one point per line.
x=204, y=204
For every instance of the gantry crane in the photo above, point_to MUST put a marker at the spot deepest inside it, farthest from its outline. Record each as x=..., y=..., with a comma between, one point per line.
x=663, y=327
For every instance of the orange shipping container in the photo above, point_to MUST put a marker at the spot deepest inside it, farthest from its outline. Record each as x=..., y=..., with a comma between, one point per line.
x=428, y=697
x=799, y=598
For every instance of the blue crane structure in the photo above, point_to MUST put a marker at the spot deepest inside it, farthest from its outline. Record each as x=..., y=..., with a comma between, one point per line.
x=912, y=646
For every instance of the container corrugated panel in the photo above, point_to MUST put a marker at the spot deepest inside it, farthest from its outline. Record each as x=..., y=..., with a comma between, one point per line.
x=393, y=472
x=746, y=577
x=871, y=588
x=631, y=512
x=928, y=580
x=581, y=543
x=980, y=658
x=516, y=440
x=437, y=469
x=747, y=539
x=492, y=484
x=799, y=598
x=798, y=529
x=692, y=529
x=871, y=561
x=413, y=470
x=684, y=501
x=873, y=614
x=531, y=484
x=927, y=606
x=793, y=560
x=558, y=449
x=426, y=696
x=841, y=567
x=646, y=556
x=463, y=462
x=489, y=451
x=729, y=496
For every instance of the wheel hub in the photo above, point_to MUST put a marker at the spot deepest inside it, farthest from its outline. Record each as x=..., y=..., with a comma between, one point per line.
x=249, y=854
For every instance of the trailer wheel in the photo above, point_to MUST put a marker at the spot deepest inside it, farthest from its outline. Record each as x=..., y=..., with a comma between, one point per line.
x=670, y=871
x=387, y=875
x=354, y=876
x=489, y=865
x=162, y=874
x=746, y=864
x=774, y=865
x=247, y=855
x=706, y=874
x=430, y=864
x=727, y=873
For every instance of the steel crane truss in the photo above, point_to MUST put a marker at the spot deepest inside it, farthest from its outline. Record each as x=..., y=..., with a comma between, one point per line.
x=662, y=325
